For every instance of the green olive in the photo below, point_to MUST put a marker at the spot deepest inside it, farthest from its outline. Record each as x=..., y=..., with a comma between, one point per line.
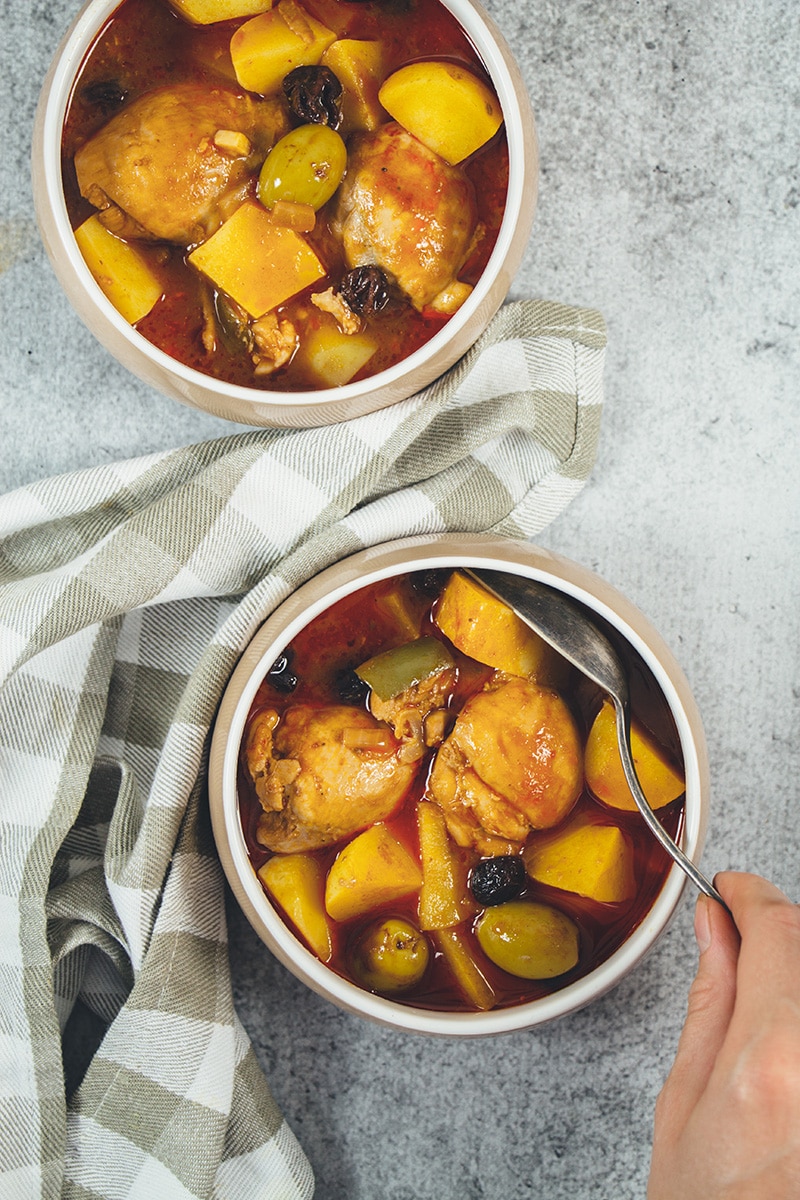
x=390, y=956
x=528, y=939
x=306, y=166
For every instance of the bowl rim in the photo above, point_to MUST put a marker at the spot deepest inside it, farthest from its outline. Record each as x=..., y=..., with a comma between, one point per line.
x=51, y=209
x=381, y=562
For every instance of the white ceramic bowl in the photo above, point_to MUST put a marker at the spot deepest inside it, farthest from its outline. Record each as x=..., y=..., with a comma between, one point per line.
x=422, y=553
x=264, y=407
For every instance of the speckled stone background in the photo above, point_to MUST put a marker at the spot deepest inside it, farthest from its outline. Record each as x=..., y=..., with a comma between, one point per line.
x=670, y=199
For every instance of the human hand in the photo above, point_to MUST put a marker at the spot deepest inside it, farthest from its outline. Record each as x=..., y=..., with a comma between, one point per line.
x=727, y=1122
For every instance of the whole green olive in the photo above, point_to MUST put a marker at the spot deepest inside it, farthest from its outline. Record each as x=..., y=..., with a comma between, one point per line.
x=390, y=956
x=306, y=166
x=528, y=939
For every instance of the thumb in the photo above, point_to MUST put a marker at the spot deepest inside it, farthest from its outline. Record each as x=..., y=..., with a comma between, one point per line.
x=711, y=1000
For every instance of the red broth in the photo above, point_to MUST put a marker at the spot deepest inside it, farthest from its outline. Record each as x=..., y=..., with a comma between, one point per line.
x=145, y=45
x=358, y=627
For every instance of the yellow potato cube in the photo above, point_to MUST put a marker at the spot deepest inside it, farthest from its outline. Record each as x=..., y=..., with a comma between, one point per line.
x=455, y=950
x=334, y=357
x=206, y=12
x=372, y=869
x=444, y=105
x=486, y=629
x=586, y=858
x=444, y=898
x=661, y=781
x=269, y=46
x=121, y=271
x=358, y=65
x=257, y=263
x=295, y=881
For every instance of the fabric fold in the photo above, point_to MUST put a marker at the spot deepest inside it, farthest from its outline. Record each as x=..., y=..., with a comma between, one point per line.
x=127, y=593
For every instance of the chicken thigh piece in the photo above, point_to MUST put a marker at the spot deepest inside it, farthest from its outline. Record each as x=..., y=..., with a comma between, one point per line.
x=160, y=169
x=321, y=774
x=512, y=763
x=405, y=209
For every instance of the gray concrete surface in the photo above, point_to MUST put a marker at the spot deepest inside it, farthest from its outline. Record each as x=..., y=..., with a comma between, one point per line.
x=670, y=199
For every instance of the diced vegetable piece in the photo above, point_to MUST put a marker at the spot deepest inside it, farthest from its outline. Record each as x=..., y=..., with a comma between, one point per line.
x=661, y=781
x=454, y=949
x=257, y=263
x=448, y=108
x=404, y=606
x=585, y=858
x=300, y=217
x=482, y=626
x=333, y=357
x=390, y=956
x=269, y=46
x=372, y=869
x=233, y=143
x=444, y=898
x=119, y=269
x=358, y=65
x=206, y=12
x=451, y=297
x=296, y=882
x=529, y=940
x=306, y=167
x=390, y=673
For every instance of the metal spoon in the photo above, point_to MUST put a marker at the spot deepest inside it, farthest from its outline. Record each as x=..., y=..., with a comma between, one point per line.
x=565, y=626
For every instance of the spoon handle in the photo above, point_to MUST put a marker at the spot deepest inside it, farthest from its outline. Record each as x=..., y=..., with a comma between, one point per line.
x=652, y=821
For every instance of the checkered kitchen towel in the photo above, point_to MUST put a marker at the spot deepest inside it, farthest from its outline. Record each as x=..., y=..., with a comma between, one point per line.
x=127, y=592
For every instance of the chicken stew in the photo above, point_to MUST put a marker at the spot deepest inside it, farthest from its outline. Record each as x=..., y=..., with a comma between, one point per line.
x=285, y=195
x=433, y=800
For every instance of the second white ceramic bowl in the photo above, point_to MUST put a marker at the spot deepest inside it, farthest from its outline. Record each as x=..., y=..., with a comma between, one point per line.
x=426, y=553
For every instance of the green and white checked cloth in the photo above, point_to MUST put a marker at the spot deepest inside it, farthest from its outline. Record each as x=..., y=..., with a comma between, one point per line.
x=127, y=593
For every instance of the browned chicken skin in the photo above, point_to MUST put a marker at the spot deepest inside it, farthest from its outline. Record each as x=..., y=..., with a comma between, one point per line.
x=512, y=763
x=418, y=715
x=154, y=170
x=321, y=774
x=405, y=209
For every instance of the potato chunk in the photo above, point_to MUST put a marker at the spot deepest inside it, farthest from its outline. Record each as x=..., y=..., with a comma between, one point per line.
x=372, y=869
x=119, y=269
x=454, y=949
x=267, y=47
x=586, y=858
x=206, y=12
x=296, y=882
x=257, y=263
x=358, y=65
x=444, y=899
x=444, y=105
x=661, y=781
x=333, y=357
x=482, y=626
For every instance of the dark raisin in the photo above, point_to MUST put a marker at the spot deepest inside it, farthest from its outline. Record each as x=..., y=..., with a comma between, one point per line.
x=105, y=94
x=495, y=880
x=365, y=290
x=429, y=583
x=350, y=688
x=314, y=96
x=280, y=674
